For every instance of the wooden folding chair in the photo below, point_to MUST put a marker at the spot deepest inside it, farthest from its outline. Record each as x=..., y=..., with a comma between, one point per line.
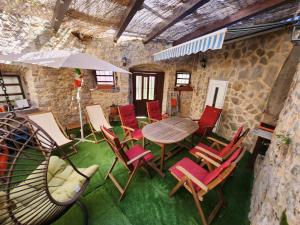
x=132, y=158
x=48, y=122
x=201, y=150
x=130, y=123
x=208, y=120
x=199, y=181
x=96, y=118
x=154, y=112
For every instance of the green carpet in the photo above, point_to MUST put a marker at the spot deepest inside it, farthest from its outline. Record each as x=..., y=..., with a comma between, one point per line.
x=147, y=201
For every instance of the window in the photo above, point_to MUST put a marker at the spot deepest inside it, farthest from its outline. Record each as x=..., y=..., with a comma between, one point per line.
x=14, y=88
x=183, y=78
x=105, y=79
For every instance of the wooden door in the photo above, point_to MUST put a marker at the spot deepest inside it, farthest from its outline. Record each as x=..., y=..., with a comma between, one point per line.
x=147, y=86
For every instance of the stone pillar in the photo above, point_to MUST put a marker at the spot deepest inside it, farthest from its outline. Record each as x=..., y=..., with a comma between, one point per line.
x=277, y=184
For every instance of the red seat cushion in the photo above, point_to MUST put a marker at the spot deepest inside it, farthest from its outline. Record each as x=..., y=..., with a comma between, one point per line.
x=217, y=171
x=135, y=151
x=192, y=167
x=127, y=116
x=201, y=174
x=137, y=134
x=227, y=150
x=153, y=109
x=209, y=118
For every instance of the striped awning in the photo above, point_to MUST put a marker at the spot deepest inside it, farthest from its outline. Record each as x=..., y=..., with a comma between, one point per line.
x=210, y=41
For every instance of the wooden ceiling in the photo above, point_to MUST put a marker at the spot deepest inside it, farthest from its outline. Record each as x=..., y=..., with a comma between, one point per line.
x=174, y=21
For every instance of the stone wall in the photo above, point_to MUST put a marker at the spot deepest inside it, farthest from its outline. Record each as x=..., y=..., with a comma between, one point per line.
x=277, y=184
x=250, y=66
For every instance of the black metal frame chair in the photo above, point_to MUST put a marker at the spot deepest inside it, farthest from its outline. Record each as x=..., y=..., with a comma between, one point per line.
x=29, y=152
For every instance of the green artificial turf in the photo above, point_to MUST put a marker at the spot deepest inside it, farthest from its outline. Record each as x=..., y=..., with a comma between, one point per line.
x=147, y=201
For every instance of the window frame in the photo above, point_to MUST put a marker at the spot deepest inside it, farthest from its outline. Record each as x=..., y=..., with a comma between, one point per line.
x=20, y=84
x=180, y=72
x=105, y=86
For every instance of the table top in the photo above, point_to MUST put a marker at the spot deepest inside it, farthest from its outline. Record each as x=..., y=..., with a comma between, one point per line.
x=170, y=130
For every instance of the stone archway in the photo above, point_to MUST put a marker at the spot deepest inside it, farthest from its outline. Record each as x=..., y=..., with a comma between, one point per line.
x=153, y=67
x=281, y=88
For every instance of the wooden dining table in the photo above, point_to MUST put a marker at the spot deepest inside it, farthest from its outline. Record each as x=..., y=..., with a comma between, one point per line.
x=172, y=130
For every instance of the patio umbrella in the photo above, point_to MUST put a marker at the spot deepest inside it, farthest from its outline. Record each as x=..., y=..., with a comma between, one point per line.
x=64, y=59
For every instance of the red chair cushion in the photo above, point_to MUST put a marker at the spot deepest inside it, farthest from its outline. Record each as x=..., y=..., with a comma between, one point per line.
x=217, y=171
x=153, y=109
x=209, y=118
x=192, y=167
x=137, y=134
x=137, y=150
x=128, y=117
x=225, y=151
x=200, y=173
x=3, y=160
x=228, y=148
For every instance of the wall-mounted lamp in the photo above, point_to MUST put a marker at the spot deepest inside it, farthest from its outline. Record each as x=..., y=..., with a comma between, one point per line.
x=125, y=60
x=296, y=33
x=203, y=62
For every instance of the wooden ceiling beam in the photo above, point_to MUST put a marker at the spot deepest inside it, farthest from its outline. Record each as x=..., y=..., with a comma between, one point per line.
x=179, y=13
x=60, y=10
x=134, y=6
x=245, y=13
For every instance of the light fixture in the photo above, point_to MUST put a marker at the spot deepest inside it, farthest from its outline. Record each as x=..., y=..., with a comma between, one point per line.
x=125, y=60
x=296, y=33
x=203, y=62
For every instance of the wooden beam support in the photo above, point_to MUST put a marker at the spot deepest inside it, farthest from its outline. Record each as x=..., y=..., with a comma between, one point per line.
x=134, y=6
x=250, y=11
x=179, y=13
x=60, y=10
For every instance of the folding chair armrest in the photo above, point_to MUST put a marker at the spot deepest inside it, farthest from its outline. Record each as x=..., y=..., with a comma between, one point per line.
x=192, y=178
x=206, y=158
x=217, y=141
x=208, y=153
x=126, y=141
x=127, y=128
x=138, y=157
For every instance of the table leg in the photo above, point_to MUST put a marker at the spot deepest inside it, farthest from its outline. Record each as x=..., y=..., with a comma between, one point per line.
x=162, y=157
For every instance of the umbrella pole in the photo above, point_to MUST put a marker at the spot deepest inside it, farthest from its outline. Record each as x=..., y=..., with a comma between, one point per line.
x=82, y=138
x=80, y=114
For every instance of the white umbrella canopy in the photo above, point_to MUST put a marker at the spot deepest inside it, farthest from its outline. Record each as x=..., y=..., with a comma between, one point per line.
x=62, y=59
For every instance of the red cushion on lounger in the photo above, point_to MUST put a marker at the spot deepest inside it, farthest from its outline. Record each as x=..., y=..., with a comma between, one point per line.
x=137, y=150
x=192, y=167
x=137, y=134
x=127, y=115
x=217, y=171
x=154, y=112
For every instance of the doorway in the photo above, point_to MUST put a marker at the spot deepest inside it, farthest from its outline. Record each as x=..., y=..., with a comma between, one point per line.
x=216, y=95
x=146, y=86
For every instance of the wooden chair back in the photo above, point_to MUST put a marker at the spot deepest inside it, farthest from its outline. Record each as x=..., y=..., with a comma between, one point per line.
x=116, y=146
